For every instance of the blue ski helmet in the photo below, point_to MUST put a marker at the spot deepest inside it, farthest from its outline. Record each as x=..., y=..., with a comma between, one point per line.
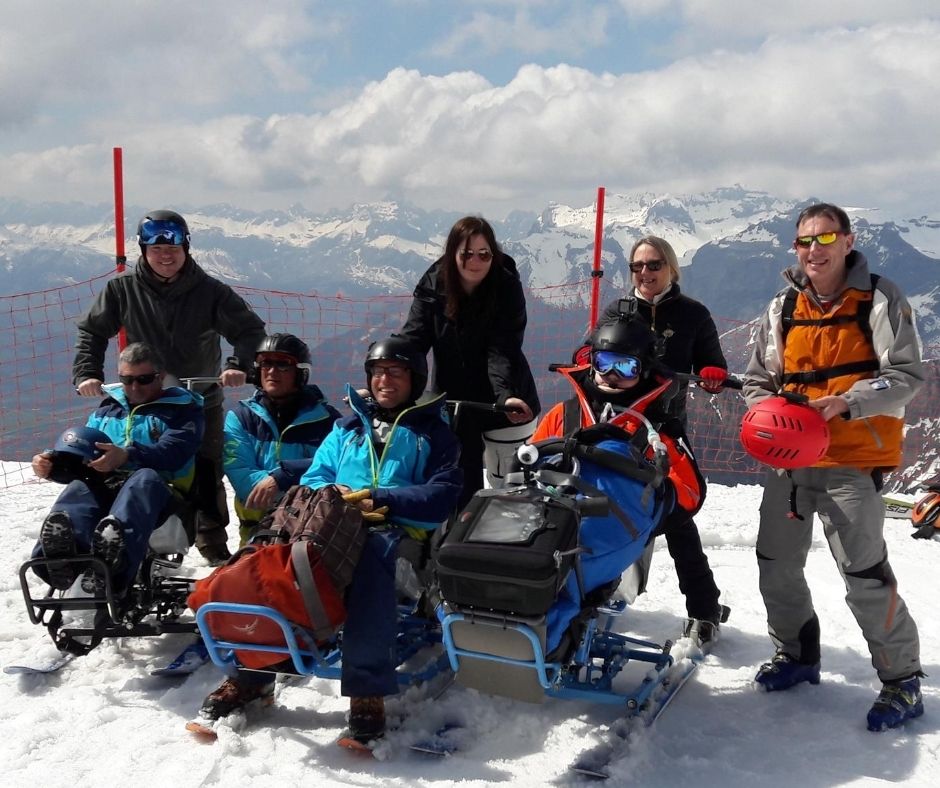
x=72, y=450
x=81, y=442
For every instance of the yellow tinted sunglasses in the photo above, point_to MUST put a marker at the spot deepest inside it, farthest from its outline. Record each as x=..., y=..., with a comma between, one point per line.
x=823, y=239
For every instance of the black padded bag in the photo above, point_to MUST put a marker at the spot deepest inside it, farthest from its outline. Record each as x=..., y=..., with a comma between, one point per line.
x=509, y=551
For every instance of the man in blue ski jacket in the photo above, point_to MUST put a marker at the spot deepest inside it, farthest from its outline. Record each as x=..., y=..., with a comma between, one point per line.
x=271, y=438
x=397, y=462
x=112, y=504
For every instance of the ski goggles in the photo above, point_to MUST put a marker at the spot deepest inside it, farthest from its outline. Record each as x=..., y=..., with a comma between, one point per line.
x=823, y=239
x=605, y=362
x=161, y=231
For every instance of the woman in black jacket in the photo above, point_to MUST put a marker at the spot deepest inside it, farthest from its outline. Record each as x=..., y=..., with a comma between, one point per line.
x=469, y=309
x=687, y=341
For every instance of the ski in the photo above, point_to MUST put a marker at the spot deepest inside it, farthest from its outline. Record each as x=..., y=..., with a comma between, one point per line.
x=442, y=743
x=189, y=660
x=596, y=762
x=42, y=660
x=204, y=728
x=349, y=742
x=899, y=505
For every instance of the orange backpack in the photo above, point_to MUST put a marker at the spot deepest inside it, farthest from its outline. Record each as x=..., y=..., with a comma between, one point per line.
x=303, y=574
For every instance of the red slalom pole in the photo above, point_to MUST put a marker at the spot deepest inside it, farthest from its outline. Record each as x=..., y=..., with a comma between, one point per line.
x=597, y=272
x=119, y=258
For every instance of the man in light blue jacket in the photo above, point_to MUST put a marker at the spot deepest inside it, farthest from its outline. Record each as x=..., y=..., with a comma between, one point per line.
x=397, y=462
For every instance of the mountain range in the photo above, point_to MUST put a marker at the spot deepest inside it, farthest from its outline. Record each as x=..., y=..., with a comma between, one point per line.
x=732, y=243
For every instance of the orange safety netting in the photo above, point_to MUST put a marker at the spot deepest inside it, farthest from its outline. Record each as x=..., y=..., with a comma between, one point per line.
x=37, y=333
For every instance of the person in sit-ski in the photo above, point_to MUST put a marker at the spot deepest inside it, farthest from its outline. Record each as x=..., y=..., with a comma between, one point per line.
x=397, y=461
x=112, y=505
x=624, y=375
x=271, y=438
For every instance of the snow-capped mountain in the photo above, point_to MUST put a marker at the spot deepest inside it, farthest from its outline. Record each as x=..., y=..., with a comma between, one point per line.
x=732, y=243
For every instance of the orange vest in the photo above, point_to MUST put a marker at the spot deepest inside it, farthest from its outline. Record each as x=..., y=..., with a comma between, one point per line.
x=836, y=338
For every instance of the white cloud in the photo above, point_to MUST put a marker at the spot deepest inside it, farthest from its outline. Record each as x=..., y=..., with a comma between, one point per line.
x=155, y=59
x=746, y=19
x=578, y=27
x=844, y=115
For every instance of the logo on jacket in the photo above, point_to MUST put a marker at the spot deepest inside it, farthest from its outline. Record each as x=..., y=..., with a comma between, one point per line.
x=880, y=384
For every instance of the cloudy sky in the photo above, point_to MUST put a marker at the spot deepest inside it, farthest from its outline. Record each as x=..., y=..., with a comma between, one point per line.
x=481, y=106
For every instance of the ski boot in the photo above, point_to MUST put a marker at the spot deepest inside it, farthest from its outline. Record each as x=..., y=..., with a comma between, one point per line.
x=784, y=671
x=366, y=723
x=899, y=700
x=704, y=631
x=107, y=544
x=57, y=540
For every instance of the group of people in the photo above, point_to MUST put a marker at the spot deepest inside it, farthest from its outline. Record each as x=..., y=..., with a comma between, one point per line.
x=398, y=459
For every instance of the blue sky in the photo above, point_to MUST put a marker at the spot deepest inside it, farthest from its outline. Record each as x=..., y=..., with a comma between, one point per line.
x=479, y=107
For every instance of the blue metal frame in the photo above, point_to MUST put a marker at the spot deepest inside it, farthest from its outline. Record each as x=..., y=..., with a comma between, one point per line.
x=589, y=675
x=601, y=655
x=415, y=633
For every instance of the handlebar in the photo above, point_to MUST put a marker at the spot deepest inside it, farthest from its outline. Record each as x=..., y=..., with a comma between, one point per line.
x=188, y=383
x=728, y=383
x=453, y=405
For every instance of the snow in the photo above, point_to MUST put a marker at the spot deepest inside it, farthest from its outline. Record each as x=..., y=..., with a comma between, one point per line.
x=104, y=715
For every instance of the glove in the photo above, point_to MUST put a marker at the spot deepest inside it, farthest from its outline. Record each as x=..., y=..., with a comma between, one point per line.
x=357, y=495
x=712, y=379
x=376, y=515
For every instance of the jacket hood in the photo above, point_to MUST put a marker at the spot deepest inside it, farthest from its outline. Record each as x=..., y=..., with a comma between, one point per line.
x=175, y=395
x=431, y=409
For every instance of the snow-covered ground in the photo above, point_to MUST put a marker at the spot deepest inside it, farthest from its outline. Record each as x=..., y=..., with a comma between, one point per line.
x=104, y=719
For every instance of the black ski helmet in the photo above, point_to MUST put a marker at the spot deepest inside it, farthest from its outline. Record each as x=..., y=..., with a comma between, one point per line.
x=631, y=337
x=288, y=345
x=162, y=227
x=398, y=348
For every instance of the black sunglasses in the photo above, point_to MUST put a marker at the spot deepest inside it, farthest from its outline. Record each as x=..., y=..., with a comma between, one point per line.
x=282, y=365
x=140, y=380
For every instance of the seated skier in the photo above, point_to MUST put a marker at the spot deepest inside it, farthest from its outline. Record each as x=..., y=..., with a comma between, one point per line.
x=147, y=439
x=397, y=462
x=271, y=438
x=623, y=376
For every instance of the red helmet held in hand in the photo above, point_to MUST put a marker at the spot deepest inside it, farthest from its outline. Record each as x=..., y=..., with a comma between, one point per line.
x=784, y=434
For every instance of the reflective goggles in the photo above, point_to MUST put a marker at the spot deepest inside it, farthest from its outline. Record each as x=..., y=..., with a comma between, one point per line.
x=823, y=239
x=141, y=380
x=653, y=265
x=605, y=362
x=162, y=231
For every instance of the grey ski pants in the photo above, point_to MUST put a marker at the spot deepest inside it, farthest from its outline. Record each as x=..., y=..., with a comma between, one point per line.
x=851, y=510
